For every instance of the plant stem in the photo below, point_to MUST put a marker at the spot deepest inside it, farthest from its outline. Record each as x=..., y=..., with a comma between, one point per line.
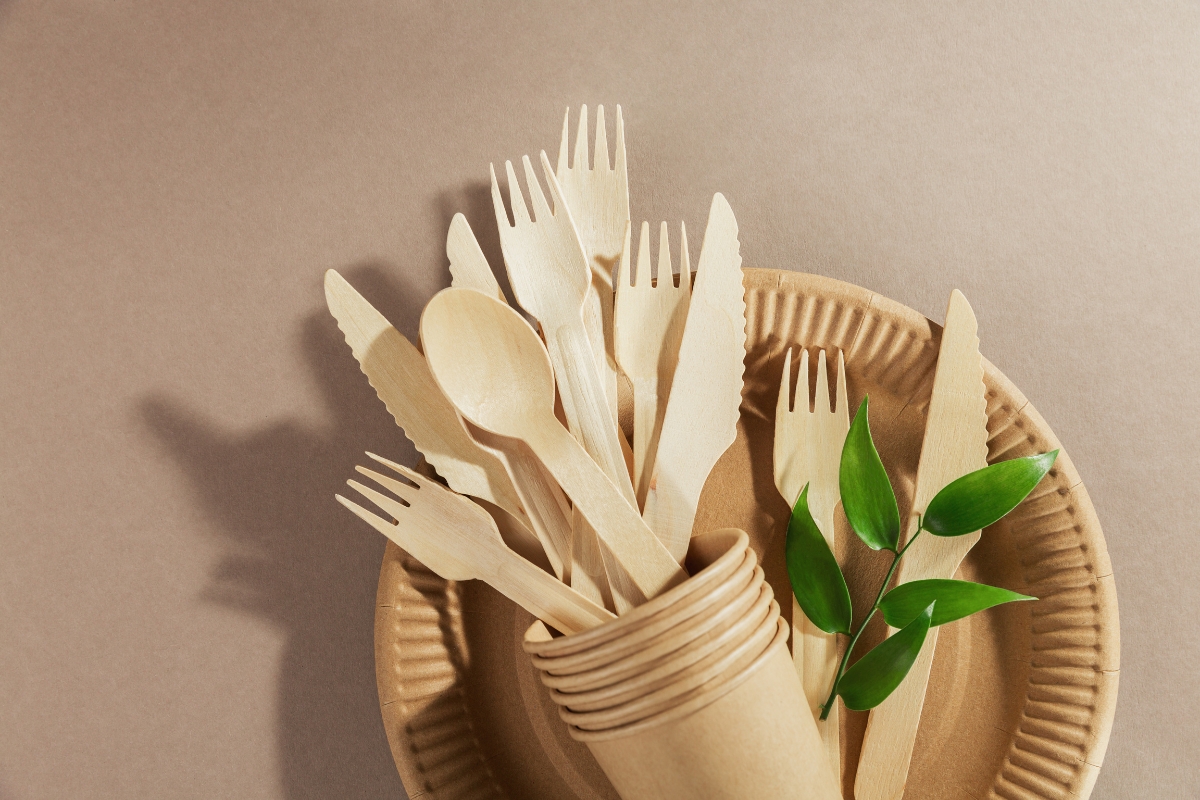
x=828, y=704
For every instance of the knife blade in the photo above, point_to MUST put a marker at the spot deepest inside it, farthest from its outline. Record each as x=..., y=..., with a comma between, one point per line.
x=955, y=443
x=401, y=377
x=703, y=409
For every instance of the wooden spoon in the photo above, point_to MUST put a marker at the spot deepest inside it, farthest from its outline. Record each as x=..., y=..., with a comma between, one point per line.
x=493, y=367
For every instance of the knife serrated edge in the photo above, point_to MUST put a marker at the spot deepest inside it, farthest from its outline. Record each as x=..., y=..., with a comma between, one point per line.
x=402, y=380
x=706, y=393
x=955, y=443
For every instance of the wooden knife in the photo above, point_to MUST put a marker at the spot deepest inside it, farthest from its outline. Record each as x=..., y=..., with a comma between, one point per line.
x=401, y=378
x=702, y=412
x=955, y=443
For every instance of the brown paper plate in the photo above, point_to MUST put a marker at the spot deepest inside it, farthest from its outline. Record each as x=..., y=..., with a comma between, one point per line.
x=1021, y=697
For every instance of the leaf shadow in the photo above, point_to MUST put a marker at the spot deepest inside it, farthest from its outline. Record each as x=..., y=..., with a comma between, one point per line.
x=294, y=558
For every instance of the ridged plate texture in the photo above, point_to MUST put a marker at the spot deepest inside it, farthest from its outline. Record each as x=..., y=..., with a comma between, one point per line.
x=1021, y=697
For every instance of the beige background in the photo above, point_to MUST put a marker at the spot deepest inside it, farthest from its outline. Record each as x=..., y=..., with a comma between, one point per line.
x=185, y=612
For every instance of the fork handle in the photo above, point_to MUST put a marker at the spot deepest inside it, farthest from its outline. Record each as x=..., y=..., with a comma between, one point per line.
x=548, y=599
x=585, y=403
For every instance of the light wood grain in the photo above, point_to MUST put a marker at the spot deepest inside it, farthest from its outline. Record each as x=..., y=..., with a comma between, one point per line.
x=650, y=316
x=808, y=450
x=955, y=443
x=459, y=541
x=1040, y=734
x=580, y=554
x=544, y=503
x=706, y=392
x=598, y=196
x=551, y=278
x=400, y=376
x=493, y=367
x=469, y=268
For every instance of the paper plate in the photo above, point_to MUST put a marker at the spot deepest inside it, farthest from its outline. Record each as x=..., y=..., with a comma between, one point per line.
x=1021, y=697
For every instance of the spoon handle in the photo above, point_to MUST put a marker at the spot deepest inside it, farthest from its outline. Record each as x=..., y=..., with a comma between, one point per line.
x=638, y=553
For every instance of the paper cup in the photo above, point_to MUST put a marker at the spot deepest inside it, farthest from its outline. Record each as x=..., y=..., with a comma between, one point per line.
x=685, y=646
x=660, y=631
x=715, y=711
x=691, y=663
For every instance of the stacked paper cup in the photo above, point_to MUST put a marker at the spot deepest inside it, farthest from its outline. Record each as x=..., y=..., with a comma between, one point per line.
x=692, y=694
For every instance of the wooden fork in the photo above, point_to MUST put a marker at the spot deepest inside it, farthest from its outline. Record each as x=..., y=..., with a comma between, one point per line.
x=649, y=320
x=808, y=449
x=459, y=541
x=598, y=197
x=549, y=274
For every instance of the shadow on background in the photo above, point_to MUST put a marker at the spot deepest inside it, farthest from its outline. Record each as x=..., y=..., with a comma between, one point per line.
x=298, y=559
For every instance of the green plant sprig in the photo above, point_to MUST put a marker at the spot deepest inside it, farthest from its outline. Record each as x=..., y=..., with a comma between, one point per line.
x=963, y=506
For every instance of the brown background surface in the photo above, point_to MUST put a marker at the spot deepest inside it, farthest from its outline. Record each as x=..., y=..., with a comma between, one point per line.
x=184, y=610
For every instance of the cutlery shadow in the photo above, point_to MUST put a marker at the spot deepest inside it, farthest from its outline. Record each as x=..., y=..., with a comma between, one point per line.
x=298, y=560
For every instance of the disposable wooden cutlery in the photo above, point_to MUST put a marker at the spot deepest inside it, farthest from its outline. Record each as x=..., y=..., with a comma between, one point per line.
x=650, y=315
x=401, y=378
x=550, y=277
x=469, y=270
x=598, y=196
x=808, y=450
x=955, y=443
x=459, y=541
x=493, y=367
x=706, y=392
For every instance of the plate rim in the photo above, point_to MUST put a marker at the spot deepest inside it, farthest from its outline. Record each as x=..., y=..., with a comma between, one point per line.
x=1053, y=734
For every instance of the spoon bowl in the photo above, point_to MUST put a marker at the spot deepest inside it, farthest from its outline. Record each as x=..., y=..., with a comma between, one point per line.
x=481, y=352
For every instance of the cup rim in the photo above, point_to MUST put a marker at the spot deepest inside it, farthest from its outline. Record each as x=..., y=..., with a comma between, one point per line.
x=702, y=581
x=689, y=705
x=641, y=637
x=728, y=616
x=701, y=681
x=674, y=669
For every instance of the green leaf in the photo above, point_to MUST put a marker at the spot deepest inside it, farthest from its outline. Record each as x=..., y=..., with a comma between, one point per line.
x=817, y=580
x=979, y=498
x=955, y=600
x=867, y=496
x=877, y=674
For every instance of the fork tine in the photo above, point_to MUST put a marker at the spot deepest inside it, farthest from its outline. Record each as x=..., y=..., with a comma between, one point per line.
x=562, y=145
x=393, y=507
x=685, y=262
x=498, y=203
x=643, y=263
x=520, y=211
x=560, y=205
x=377, y=522
x=411, y=474
x=601, y=156
x=821, y=402
x=581, y=143
x=401, y=490
x=802, y=383
x=843, y=404
x=620, y=166
x=540, y=208
x=784, y=404
x=664, y=258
